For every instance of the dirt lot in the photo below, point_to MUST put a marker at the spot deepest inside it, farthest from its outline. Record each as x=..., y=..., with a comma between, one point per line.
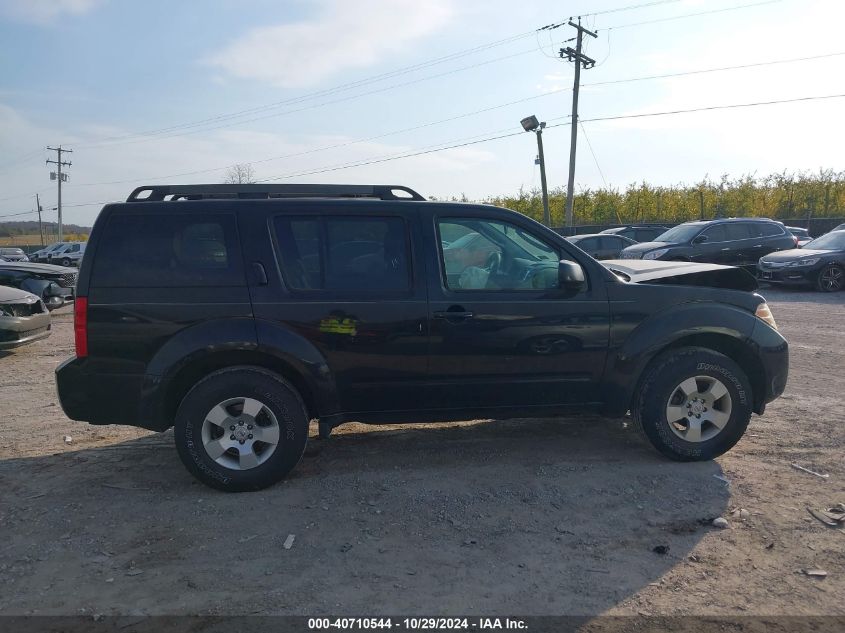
x=519, y=517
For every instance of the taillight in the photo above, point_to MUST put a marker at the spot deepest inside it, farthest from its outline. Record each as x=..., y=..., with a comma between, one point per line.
x=795, y=239
x=80, y=326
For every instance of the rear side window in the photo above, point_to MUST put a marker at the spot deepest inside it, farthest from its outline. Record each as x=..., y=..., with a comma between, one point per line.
x=166, y=251
x=738, y=231
x=344, y=253
x=770, y=229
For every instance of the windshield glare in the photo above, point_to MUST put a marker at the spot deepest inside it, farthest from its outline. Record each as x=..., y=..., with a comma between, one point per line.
x=679, y=234
x=830, y=242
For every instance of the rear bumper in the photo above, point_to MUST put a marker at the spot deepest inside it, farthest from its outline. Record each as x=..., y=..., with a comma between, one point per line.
x=98, y=398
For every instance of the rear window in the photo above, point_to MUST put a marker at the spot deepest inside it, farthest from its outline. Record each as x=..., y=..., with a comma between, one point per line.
x=344, y=253
x=165, y=251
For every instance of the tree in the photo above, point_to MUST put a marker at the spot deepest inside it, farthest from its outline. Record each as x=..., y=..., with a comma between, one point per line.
x=240, y=174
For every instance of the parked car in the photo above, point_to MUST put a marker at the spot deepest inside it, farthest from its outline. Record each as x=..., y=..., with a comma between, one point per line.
x=13, y=255
x=241, y=312
x=733, y=242
x=68, y=254
x=54, y=284
x=821, y=264
x=40, y=256
x=841, y=227
x=23, y=318
x=802, y=236
x=638, y=233
x=600, y=245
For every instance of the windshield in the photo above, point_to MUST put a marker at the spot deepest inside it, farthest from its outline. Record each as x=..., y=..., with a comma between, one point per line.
x=679, y=234
x=834, y=241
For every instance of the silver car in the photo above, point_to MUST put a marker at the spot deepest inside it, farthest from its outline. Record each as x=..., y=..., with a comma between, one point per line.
x=13, y=254
x=23, y=318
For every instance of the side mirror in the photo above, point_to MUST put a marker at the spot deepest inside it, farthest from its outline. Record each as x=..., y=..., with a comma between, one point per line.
x=700, y=239
x=570, y=276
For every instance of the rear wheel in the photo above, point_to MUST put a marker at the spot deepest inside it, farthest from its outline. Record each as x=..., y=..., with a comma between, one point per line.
x=693, y=404
x=65, y=262
x=831, y=278
x=241, y=428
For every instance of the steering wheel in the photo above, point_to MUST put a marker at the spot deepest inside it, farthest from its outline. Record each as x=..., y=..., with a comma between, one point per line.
x=494, y=262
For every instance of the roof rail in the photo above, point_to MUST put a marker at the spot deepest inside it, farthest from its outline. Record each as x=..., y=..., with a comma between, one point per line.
x=158, y=193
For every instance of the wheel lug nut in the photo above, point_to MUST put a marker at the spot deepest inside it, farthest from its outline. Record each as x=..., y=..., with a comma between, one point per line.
x=249, y=426
x=241, y=441
x=241, y=423
x=249, y=436
x=231, y=437
x=232, y=428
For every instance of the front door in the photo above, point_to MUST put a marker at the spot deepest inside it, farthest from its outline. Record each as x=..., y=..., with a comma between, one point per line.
x=502, y=332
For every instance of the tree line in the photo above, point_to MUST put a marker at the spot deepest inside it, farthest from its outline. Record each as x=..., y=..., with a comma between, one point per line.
x=785, y=195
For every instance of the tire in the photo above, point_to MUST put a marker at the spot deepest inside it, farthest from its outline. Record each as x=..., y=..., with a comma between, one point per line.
x=684, y=382
x=831, y=278
x=65, y=262
x=228, y=400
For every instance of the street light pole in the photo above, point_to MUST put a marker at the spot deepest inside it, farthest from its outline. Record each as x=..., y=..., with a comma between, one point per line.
x=547, y=218
x=531, y=124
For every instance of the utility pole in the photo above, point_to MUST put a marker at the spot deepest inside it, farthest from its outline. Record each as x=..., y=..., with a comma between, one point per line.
x=59, y=176
x=580, y=60
x=40, y=226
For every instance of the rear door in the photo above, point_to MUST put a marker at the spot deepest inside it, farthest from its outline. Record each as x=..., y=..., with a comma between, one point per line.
x=502, y=333
x=742, y=242
x=346, y=278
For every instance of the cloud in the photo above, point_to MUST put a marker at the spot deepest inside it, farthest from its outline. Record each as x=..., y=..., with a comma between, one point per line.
x=45, y=11
x=344, y=35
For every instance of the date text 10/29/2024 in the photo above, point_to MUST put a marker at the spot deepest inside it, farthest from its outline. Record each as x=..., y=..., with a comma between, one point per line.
x=416, y=624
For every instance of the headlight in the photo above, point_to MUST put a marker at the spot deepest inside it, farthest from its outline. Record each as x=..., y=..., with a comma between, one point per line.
x=765, y=314
x=660, y=252
x=803, y=262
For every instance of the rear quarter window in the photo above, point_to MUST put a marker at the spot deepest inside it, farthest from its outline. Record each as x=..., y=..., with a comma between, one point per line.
x=166, y=251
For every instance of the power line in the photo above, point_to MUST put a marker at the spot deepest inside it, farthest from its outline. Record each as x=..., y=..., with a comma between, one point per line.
x=512, y=134
x=503, y=136
x=356, y=84
x=690, y=15
x=458, y=117
x=595, y=160
x=310, y=107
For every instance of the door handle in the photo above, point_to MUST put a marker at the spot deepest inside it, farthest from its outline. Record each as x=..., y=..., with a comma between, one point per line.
x=260, y=273
x=725, y=249
x=455, y=313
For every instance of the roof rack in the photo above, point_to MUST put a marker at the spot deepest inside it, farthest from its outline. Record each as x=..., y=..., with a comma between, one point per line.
x=158, y=193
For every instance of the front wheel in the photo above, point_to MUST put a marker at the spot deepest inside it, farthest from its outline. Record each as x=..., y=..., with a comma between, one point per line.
x=831, y=278
x=65, y=262
x=693, y=404
x=240, y=429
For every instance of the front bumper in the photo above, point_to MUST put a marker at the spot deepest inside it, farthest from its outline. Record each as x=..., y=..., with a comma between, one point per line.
x=17, y=331
x=773, y=352
x=788, y=276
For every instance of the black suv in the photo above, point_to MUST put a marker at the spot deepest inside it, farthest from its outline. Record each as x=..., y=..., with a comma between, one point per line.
x=733, y=242
x=238, y=313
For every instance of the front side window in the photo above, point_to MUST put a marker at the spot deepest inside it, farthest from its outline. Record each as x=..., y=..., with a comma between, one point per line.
x=344, y=253
x=481, y=254
x=165, y=251
x=715, y=233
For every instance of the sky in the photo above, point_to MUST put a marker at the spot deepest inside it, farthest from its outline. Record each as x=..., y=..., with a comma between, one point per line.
x=372, y=91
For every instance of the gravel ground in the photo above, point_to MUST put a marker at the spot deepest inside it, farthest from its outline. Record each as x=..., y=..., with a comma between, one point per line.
x=530, y=517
